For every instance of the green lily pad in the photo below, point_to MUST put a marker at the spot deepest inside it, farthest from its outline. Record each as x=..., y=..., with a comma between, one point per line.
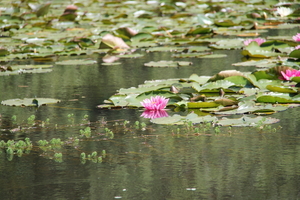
x=238, y=80
x=76, y=62
x=177, y=119
x=281, y=89
x=265, y=63
x=202, y=105
x=251, y=107
x=136, y=55
x=191, y=55
x=113, y=63
x=29, y=102
x=228, y=44
x=199, y=79
x=296, y=79
x=168, y=63
x=295, y=54
x=276, y=98
x=214, y=56
x=254, y=50
x=213, y=85
x=247, y=121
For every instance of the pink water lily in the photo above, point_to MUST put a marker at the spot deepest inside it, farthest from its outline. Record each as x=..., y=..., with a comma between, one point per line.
x=297, y=37
x=152, y=114
x=155, y=103
x=288, y=74
x=259, y=41
x=297, y=47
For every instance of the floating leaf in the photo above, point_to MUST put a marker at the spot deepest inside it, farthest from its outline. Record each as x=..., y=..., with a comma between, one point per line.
x=214, y=56
x=202, y=104
x=276, y=98
x=247, y=121
x=136, y=55
x=199, y=30
x=190, y=55
x=295, y=54
x=112, y=42
x=228, y=44
x=29, y=102
x=238, y=80
x=199, y=79
x=177, y=119
x=224, y=74
x=254, y=50
x=281, y=89
x=168, y=63
x=76, y=62
x=42, y=10
x=225, y=102
x=296, y=79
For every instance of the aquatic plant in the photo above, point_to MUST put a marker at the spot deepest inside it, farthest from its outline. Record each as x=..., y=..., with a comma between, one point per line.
x=86, y=132
x=58, y=157
x=31, y=119
x=259, y=41
x=283, y=11
x=71, y=118
x=297, y=37
x=155, y=103
x=288, y=74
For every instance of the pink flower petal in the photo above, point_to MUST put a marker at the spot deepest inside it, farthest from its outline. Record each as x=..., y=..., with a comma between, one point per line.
x=288, y=74
x=152, y=114
x=297, y=37
x=259, y=41
x=155, y=103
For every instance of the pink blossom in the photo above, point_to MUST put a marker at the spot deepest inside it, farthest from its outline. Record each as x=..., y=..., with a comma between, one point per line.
x=152, y=114
x=288, y=74
x=297, y=37
x=259, y=41
x=297, y=47
x=155, y=103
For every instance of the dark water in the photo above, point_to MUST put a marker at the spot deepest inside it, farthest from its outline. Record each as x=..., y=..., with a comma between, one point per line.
x=155, y=163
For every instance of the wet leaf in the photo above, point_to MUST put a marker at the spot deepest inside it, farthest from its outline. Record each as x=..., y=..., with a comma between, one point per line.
x=42, y=10
x=202, y=104
x=281, y=89
x=247, y=121
x=163, y=63
x=29, y=102
x=112, y=42
x=277, y=98
x=295, y=54
x=76, y=62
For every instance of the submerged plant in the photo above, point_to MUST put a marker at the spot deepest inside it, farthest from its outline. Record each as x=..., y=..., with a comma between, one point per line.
x=31, y=119
x=71, y=118
x=58, y=157
x=155, y=103
x=86, y=132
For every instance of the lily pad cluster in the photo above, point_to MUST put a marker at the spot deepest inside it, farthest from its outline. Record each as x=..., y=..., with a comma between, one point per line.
x=229, y=92
x=42, y=31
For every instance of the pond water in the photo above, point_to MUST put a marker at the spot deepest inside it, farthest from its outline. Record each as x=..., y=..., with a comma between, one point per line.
x=145, y=162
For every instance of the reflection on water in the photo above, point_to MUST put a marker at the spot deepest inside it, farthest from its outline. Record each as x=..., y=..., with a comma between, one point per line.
x=152, y=114
x=156, y=162
x=160, y=165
